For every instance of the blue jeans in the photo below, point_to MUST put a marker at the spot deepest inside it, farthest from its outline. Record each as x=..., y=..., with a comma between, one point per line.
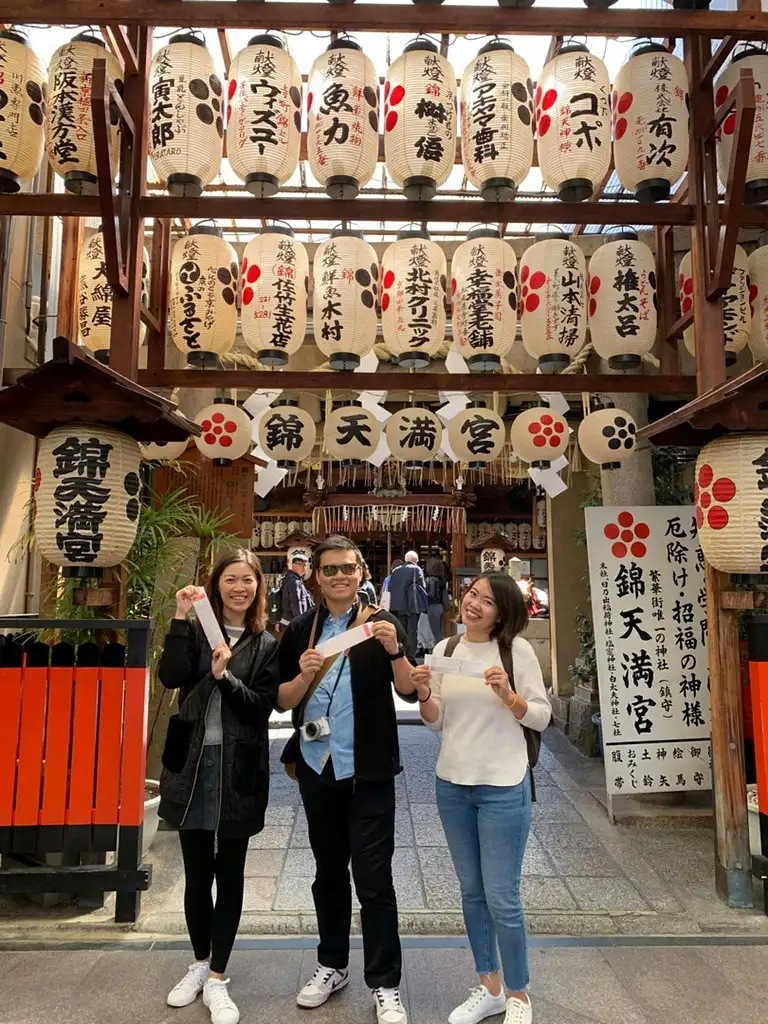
x=487, y=829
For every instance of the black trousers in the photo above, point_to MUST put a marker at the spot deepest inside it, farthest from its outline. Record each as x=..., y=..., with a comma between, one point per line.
x=354, y=821
x=212, y=929
x=410, y=623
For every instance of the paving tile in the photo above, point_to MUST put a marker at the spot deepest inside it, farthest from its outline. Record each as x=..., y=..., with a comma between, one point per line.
x=406, y=875
x=259, y=894
x=546, y=894
x=606, y=894
x=441, y=886
x=537, y=861
x=588, y=862
x=280, y=816
x=271, y=838
x=299, y=862
x=565, y=834
x=294, y=893
x=576, y=923
x=553, y=806
x=428, y=829
x=43, y=986
x=264, y=863
x=581, y=981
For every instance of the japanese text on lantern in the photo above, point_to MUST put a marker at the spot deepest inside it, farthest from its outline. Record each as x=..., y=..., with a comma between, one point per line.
x=435, y=111
x=63, y=111
x=330, y=311
x=284, y=430
x=631, y=291
x=10, y=98
x=482, y=113
x=418, y=431
x=479, y=298
x=568, y=298
x=192, y=293
x=269, y=119
x=94, y=289
x=420, y=289
x=761, y=479
x=353, y=426
x=587, y=110
x=482, y=433
x=649, y=614
x=284, y=291
x=80, y=497
x=338, y=106
x=163, y=127
x=661, y=127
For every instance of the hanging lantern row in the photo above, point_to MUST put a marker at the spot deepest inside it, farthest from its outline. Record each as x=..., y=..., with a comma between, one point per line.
x=94, y=298
x=736, y=305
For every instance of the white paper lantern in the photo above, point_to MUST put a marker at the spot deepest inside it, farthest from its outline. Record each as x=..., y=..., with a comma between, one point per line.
x=497, y=121
x=608, y=436
x=203, y=288
x=287, y=434
x=300, y=549
x=492, y=560
x=553, y=308
x=484, y=290
x=86, y=498
x=622, y=301
x=539, y=436
x=163, y=450
x=186, y=115
x=731, y=495
x=23, y=92
x=736, y=307
x=226, y=432
x=650, y=122
x=343, y=119
x=345, y=274
x=95, y=296
x=275, y=286
x=414, y=435
x=477, y=435
x=413, y=286
x=351, y=434
x=69, y=140
x=264, y=116
x=758, y=301
x=573, y=123
x=420, y=120
x=756, y=59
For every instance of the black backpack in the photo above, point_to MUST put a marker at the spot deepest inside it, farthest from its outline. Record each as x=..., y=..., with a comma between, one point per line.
x=435, y=587
x=275, y=604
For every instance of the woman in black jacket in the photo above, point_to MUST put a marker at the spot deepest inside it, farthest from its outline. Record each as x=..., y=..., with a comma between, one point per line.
x=215, y=780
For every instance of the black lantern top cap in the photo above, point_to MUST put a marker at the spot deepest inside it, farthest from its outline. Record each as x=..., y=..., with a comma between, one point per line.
x=266, y=40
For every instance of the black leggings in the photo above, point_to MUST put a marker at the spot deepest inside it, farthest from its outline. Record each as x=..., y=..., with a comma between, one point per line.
x=213, y=929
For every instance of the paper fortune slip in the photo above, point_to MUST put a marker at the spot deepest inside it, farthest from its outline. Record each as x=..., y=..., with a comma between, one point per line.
x=455, y=666
x=208, y=621
x=344, y=641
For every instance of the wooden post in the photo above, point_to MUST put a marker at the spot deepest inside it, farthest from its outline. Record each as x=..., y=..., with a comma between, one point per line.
x=71, y=244
x=158, y=293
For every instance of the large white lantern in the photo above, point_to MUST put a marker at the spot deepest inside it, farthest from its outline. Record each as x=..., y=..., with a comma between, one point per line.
x=758, y=301
x=23, y=91
x=264, y=115
x=413, y=286
x=731, y=495
x=94, y=297
x=287, y=434
x=553, y=306
x=756, y=59
x=650, y=122
x=186, y=115
x=275, y=286
x=497, y=121
x=477, y=435
x=539, y=436
x=226, y=432
x=573, y=123
x=736, y=308
x=622, y=301
x=343, y=119
x=69, y=139
x=493, y=560
x=351, y=434
x=420, y=120
x=345, y=275
x=484, y=290
x=203, y=289
x=414, y=435
x=86, y=497
x=607, y=437
x=163, y=451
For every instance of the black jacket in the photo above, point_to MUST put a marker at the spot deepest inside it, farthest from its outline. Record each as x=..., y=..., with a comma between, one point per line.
x=401, y=584
x=377, y=752
x=296, y=598
x=246, y=706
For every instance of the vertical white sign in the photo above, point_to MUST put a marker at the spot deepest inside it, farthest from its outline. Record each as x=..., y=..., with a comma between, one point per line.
x=646, y=576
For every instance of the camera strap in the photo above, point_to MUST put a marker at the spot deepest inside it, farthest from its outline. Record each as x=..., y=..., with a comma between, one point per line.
x=363, y=614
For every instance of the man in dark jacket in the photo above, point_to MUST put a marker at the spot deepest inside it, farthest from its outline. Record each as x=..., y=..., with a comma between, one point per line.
x=346, y=757
x=296, y=598
x=407, y=591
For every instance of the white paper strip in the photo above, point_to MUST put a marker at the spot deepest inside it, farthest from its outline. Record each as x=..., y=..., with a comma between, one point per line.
x=268, y=478
x=455, y=666
x=344, y=641
x=259, y=400
x=371, y=400
x=549, y=479
x=557, y=402
x=455, y=362
x=368, y=364
x=381, y=453
x=208, y=620
x=445, y=447
x=456, y=404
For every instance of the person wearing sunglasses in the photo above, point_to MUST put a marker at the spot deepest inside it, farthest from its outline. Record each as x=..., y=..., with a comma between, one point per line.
x=345, y=755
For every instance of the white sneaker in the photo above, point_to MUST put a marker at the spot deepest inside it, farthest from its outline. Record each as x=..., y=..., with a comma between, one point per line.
x=321, y=986
x=518, y=1012
x=481, y=1004
x=190, y=986
x=389, y=1008
x=216, y=998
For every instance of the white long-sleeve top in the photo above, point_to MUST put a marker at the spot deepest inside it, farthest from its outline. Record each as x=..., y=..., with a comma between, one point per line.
x=482, y=742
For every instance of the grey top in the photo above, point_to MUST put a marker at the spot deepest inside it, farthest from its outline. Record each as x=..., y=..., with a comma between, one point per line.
x=213, y=734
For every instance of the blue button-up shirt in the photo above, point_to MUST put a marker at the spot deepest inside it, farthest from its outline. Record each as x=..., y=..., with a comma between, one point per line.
x=340, y=745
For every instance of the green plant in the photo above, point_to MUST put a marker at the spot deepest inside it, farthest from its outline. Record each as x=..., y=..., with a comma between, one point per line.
x=584, y=669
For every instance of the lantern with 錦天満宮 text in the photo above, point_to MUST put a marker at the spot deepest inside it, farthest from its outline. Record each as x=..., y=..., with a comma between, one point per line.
x=345, y=274
x=287, y=434
x=622, y=301
x=226, y=432
x=351, y=434
x=477, y=435
x=413, y=286
x=553, y=306
x=484, y=297
x=23, y=92
x=414, y=435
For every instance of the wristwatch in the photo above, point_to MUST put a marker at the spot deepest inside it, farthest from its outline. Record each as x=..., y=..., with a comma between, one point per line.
x=399, y=653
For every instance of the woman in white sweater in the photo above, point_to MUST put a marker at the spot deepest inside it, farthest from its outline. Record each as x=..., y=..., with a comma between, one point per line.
x=484, y=787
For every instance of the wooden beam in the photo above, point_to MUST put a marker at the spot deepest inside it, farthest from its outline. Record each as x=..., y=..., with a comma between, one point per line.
x=716, y=61
x=226, y=53
x=158, y=293
x=669, y=361
x=69, y=265
x=680, y=325
x=110, y=215
x=120, y=45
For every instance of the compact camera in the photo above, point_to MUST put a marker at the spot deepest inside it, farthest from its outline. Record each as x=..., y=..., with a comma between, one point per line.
x=316, y=730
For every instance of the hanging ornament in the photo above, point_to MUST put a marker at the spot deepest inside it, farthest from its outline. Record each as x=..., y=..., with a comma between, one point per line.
x=553, y=312
x=755, y=59
x=23, y=92
x=573, y=123
x=69, y=140
x=264, y=116
x=736, y=306
x=758, y=302
x=351, y=434
x=287, y=434
x=650, y=122
x=413, y=298
x=186, y=115
x=345, y=274
x=484, y=290
x=343, y=119
x=420, y=120
x=414, y=435
x=163, y=451
x=477, y=435
x=622, y=301
x=275, y=286
x=203, y=286
x=497, y=121
x=226, y=432
x=539, y=436
x=95, y=295
x=86, y=497
x=607, y=437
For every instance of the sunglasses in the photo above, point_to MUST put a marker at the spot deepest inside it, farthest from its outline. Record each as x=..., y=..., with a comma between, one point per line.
x=347, y=568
